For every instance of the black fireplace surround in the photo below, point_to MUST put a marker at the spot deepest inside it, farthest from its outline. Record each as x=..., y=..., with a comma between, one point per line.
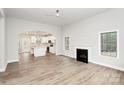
x=82, y=55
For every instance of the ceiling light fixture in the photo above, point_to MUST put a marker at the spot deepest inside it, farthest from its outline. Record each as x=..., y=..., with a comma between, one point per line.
x=57, y=13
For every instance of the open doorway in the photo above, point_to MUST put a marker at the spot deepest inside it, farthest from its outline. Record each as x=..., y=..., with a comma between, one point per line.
x=36, y=44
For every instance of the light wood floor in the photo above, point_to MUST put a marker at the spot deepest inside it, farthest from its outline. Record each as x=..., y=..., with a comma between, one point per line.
x=58, y=70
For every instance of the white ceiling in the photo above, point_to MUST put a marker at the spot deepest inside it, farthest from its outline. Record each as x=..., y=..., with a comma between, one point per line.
x=67, y=15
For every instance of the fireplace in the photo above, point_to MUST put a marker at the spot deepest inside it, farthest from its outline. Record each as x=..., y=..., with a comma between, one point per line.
x=82, y=55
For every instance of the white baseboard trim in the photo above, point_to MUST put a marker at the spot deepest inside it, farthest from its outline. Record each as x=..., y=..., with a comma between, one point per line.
x=102, y=64
x=107, y=65
x=12, y=61
x=4, y=68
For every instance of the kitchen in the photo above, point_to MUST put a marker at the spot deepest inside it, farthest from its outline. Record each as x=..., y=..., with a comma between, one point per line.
x=37, y=43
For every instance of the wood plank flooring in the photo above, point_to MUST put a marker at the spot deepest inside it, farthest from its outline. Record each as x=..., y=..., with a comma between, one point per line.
x=58, y=70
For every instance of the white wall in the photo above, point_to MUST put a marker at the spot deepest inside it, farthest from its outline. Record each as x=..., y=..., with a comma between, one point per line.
x=16, y=26
x=86, y=34
x=2, y=41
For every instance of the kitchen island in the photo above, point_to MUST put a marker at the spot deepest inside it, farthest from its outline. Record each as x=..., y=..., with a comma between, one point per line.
x=39, y=51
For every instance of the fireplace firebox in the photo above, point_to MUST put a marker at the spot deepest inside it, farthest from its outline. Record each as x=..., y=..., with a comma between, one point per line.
x=82, y=55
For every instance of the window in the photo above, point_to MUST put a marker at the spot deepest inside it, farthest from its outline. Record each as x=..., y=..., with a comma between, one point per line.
x=66, y=43
x=109, y=43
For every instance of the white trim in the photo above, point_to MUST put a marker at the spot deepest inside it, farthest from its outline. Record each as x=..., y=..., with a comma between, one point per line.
x=12, y=61
x=4, y=68
x=99, y=42
x=102, y=64
x=107, y=65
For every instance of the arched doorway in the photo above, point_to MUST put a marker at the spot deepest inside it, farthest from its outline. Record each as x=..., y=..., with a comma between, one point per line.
x=36, y=44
